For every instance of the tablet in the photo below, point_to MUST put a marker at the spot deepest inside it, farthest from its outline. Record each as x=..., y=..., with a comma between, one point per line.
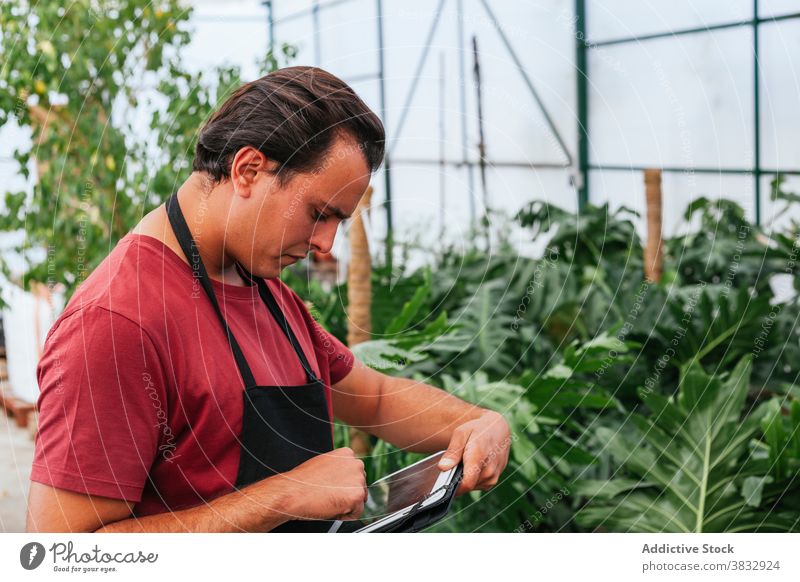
x=414, y=488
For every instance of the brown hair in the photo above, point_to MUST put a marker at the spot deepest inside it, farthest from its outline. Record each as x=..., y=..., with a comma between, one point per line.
x=292, y=116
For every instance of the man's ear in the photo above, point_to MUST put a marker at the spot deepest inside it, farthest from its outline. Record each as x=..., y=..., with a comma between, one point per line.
x=247, y=164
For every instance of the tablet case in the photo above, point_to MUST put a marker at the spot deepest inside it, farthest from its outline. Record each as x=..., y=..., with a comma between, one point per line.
x=421, y=517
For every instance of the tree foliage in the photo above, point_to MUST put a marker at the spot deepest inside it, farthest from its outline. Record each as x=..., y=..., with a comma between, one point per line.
x=113, y=114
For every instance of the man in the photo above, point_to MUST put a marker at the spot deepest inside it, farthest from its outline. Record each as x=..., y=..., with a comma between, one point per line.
x=186, y=388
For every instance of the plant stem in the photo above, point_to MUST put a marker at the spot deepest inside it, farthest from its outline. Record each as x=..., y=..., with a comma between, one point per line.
x=703, y=485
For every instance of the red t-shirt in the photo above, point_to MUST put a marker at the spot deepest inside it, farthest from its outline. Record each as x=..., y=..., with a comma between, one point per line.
x=140, y=395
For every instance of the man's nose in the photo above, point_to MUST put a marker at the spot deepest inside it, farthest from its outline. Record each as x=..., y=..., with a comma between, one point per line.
x=322, y=237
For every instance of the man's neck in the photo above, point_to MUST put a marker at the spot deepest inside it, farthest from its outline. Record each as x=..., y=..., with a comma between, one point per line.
x=204, y=211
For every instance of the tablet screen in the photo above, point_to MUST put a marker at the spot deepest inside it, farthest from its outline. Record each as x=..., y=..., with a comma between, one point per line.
x=402, y=489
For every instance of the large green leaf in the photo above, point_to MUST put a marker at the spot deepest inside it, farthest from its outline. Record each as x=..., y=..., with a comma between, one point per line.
x=696, y=464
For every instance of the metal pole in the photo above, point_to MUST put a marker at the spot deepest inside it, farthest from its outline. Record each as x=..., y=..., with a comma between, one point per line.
x=442, y=151
x=756, y=115
x=582, y=72
x=270, y=26
x=387, y=174
x=481, y=141
x=317, y=43
x=462, y=51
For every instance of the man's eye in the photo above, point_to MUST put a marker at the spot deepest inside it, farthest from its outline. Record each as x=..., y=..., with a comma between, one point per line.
x=317, y=215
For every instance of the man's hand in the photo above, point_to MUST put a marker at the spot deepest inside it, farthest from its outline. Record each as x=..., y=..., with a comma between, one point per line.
x=483, y=445
x=329, y=486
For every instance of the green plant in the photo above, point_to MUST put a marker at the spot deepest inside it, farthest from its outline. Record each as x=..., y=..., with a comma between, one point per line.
x=547, y=413
x=695, y=464
x=76, y=75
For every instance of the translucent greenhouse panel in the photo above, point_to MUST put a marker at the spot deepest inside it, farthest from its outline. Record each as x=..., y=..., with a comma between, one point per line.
x=406, y=29
x=679, y=189
x=510, y=189
x=609, y=19
x=298, y=32
x=416, y=204
x=227, y=43
x=231, y=8
x=369, y=91
x=349, y=38
x=685, y=101
x=777, y=215
x=514, y=126
x=621, y=188
x=283, y=8
x=773, y=8
x=780, y=73
x=417, y=201
x=541, y=35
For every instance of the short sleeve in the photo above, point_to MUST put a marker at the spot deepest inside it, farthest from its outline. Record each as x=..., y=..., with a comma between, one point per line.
x=340, y=358
x=101, y=404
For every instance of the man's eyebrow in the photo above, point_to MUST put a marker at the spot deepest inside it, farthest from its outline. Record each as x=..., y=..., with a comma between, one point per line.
x=340, y=214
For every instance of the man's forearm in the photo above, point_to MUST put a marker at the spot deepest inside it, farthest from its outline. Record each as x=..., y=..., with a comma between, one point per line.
x=259, y=507
x=418, y=417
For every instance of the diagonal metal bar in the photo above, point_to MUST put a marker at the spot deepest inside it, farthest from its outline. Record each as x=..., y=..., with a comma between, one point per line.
x=527, y=80
x=694, y=30
x=420, y=64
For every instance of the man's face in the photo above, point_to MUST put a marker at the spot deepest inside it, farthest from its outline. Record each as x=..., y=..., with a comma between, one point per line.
x=279, y=224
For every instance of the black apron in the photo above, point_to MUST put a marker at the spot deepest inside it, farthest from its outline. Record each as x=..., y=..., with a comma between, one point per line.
x=282, y=426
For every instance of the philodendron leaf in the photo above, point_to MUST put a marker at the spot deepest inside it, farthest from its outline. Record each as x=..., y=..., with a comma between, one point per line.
x=695, y=451
x=752, y=489
x=608, y=488
x=384, y=355
x=410, y=308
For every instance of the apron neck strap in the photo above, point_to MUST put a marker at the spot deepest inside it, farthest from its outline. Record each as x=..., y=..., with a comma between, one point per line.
x=274, y=308
x=189, y=247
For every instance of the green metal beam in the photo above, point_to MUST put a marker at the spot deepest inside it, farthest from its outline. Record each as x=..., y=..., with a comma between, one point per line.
x=756, y=115
x=270, y=27
x=701, y=170
x=387, y=163
x=462, y=94
x=757, y=172
x=694, y=30
x=582, y=82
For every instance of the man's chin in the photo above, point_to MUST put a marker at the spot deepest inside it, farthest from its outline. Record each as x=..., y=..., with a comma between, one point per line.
x=266, y=271
x=272, y=269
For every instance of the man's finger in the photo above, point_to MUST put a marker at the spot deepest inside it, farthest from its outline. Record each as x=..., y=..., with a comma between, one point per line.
x=489, y=469
x=455, y=450
x=473, y=466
